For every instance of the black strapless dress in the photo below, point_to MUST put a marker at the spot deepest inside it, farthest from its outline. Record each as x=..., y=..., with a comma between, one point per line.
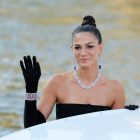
x=68, y=110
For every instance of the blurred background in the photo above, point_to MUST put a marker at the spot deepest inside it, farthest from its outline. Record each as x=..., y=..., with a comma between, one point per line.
x=43, y=28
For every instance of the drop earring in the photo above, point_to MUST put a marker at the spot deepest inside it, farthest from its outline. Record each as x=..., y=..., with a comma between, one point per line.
x=99, y=61
x=74, y=64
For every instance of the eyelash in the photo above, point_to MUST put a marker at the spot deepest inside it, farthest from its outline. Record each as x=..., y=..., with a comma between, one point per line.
x=87, y=46
x=90, y=46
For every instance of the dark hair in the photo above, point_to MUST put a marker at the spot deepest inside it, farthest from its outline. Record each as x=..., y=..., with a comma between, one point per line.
x=88, y=25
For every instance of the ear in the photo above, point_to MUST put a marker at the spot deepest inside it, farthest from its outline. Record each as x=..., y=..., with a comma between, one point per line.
x=101, y=46
x=71, y=47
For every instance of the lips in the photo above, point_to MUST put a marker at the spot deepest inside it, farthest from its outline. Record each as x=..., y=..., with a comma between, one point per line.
x=84, y=60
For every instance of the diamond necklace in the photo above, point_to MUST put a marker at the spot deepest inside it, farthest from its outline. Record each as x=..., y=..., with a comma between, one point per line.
x=80, y=83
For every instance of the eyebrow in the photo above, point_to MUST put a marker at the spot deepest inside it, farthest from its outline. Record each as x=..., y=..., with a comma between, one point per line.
x=85, y=44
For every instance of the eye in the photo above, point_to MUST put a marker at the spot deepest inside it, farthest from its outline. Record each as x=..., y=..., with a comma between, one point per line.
x=90, y=46
x=77, y=48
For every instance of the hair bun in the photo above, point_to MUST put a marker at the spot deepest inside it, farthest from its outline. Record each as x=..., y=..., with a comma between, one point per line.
x=88, y=20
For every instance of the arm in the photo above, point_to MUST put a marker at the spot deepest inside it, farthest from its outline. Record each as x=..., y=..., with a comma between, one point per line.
x=49, y=97
x=32, y=73
x=36, y=115
x=119, y=98
x=119, y=95
x=31, y=115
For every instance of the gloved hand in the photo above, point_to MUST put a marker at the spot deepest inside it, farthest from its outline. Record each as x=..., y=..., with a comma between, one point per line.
x=31, y=73
x=131, y=107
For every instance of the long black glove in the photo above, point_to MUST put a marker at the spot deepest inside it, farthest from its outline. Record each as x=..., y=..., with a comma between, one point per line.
x=131, y=107
x=31, y=73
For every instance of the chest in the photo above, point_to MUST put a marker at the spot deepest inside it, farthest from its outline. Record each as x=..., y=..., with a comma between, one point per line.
x=100, y=94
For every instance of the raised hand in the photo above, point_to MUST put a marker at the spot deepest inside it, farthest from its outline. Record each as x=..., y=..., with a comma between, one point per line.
x=31, y=72
x=131, y=107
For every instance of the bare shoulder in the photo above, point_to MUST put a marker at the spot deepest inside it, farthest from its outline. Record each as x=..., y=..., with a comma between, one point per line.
x=57, y=80
x=116, y=91
x=114, y=85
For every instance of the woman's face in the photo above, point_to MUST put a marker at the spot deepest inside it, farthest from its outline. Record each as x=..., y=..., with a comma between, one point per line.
x=86, y=49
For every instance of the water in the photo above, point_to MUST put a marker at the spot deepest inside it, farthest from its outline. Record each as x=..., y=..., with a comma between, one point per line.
x=43, y=28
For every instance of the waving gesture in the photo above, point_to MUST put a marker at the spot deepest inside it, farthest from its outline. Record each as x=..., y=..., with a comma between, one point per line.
x=31, y=72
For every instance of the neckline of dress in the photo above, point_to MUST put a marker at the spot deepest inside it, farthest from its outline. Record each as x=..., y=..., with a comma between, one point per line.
x=81, y=104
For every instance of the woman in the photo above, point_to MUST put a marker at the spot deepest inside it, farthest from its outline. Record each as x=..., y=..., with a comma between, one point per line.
x=82, y=90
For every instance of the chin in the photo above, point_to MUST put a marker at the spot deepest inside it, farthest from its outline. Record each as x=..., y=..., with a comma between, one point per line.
x=84, y=65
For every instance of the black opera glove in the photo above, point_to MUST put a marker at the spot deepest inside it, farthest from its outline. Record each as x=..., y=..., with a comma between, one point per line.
x=131, y=107
x=31, y=73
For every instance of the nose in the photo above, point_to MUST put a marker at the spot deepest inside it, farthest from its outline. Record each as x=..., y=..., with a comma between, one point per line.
x=83, y=51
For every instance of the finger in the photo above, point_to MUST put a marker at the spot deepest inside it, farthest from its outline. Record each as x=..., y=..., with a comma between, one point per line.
x=38, y=67
x=137, y=106
x=34, y=62
x=30, y=62
x=22, y=66
x=126, y=107
x=26, y=62
x=130, y=107
x=133, y=107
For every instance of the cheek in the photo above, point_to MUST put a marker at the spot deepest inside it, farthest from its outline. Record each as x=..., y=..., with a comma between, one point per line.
x=76, y=53
x=93, y=52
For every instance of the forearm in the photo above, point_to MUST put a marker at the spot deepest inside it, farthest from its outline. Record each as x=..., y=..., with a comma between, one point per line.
x=31, y=115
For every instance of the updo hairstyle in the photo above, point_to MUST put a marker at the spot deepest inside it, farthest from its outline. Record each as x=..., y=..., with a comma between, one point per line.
x=88, y=25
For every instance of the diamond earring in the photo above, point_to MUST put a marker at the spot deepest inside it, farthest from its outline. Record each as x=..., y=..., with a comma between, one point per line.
x=74, y=64
x=99, y=61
